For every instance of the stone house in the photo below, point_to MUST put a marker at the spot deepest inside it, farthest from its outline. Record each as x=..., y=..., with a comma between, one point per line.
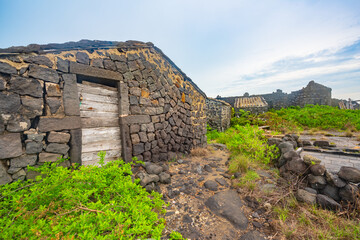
x=218, y=114
x=77, y=98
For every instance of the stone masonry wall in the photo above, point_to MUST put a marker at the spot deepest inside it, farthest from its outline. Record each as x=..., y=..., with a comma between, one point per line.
x=218, y=114
x=162, y=111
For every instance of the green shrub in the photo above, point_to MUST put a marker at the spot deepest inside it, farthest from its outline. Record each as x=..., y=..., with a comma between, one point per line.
x=88, y=203
x=248, y=141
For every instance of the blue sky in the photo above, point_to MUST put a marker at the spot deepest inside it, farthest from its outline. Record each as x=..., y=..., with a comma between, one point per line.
x=226, y=47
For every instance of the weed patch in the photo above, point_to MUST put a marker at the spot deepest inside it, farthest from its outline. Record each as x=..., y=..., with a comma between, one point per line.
x=86, y=203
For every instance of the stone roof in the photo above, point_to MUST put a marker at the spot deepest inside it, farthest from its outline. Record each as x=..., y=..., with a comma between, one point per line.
x=244, y=102
x=90, y=45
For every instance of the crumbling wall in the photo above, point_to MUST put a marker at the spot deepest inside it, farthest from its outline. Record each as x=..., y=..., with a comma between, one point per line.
x=161, y=111
x=218, y=114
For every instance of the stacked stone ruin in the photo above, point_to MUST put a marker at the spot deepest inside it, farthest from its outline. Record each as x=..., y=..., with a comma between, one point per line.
x=157, y=111
x=218, y=114
x=320, y=186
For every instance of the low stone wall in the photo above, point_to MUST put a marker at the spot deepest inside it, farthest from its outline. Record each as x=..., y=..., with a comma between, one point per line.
x=161, y=111
x=313, y=93
x=316, y=184
x=218, y=114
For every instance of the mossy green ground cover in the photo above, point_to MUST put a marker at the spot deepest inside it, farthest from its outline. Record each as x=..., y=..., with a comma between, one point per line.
x=87, y=203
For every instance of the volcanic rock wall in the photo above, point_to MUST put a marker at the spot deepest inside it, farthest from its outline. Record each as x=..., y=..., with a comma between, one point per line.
x=161, y=111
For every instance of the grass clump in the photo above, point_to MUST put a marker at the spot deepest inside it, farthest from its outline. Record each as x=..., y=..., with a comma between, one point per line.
x=249, y=142
x=87, y=203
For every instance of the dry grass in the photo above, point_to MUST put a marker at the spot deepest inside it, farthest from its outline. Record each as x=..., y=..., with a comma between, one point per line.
x=199, y=152
x=347, y=133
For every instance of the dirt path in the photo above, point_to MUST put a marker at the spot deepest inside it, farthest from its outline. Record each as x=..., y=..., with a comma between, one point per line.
x=194, y=181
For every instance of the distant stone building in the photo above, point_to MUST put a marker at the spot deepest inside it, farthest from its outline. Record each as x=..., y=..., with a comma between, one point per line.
x=218, y=114
x=253, y=104
x=77, y=98
x=313, y=93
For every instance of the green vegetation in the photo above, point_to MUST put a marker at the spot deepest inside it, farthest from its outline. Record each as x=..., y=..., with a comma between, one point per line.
x=294, y=119
x=249, y=152
x=87, y=203
x=247, y=141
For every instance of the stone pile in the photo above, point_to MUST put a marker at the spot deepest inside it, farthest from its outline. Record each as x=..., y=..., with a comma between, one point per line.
x=325, y=188
x=151, y=175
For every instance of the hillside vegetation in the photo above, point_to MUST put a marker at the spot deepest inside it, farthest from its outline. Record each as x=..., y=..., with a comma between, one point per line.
x=297, y=118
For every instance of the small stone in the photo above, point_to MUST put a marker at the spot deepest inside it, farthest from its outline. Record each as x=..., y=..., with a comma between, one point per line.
x=349, y=193
x=316, y=182
x=9, y=103
x=18, y=124
x=327, y=202
x=257, y=224
x=350, y=174
x=7, y=68
x=13, y=170
x=149, y=178
x=237, y=174
x=211, y=185
x=34, y=147
x=23, y=161
x=153, y=169
x=40, y=60
x=297, y=166
x=286, y=147
x=331, y=191
x=221, y=181
x=165, y=178
x=201, y=179
x=318, y=170
x=19, y=174
x=310, y=190
x=227, y=204
x=26, y=86
x=46, y=74
x=4, y=176
x=311, y=160
x=207, y=168
x=255, y=215
x=57, y=148
x=48, y=157
x=10, y=145
x=321, y=143
x=334, y=180
x=83, y=58
x=58, y=137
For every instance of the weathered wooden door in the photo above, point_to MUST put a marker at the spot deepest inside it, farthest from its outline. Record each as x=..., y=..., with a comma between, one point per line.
x=99, y=114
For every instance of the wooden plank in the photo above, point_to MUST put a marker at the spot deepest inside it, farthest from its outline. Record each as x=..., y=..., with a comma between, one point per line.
x=99, y=107
x=96, y=90
x=98, y=98
x=90, y=114
x=99, y=130
x=99, y=122
x=101, y=146
x=92, y=84
x=98, y=136
x=92, y=156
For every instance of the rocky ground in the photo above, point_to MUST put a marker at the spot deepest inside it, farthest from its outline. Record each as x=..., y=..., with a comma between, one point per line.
x=203, y=205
